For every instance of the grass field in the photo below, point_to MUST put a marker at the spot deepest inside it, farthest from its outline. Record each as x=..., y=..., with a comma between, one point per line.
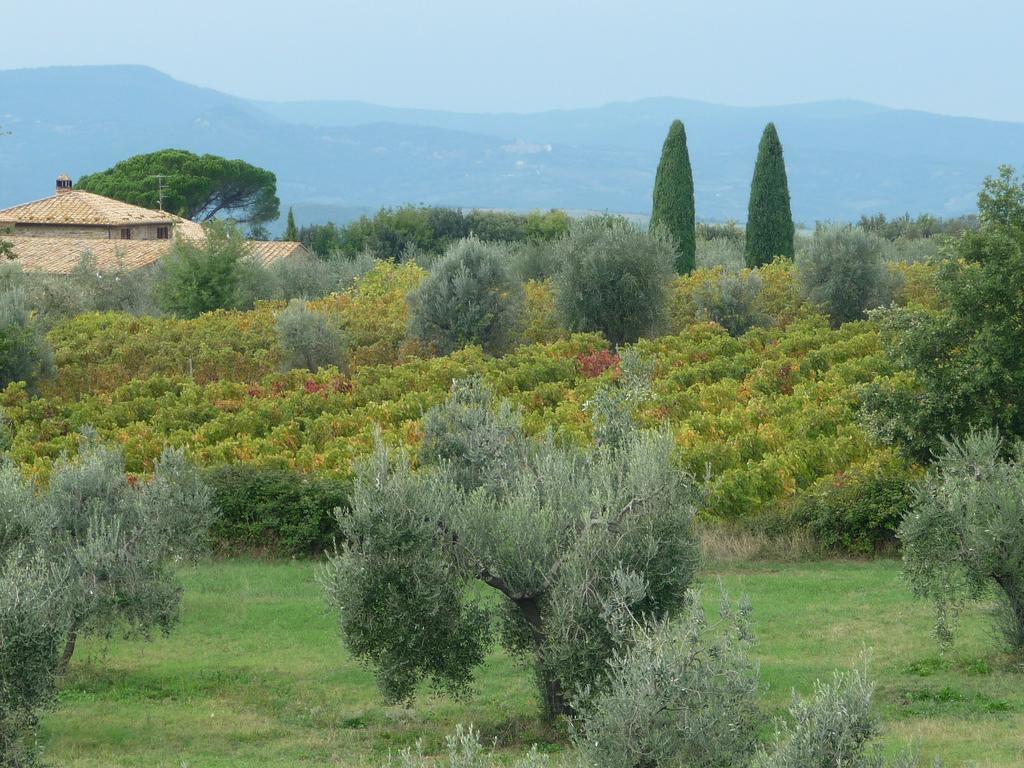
x=256, y=676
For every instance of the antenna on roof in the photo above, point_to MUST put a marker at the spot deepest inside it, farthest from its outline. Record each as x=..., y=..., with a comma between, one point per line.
x=159, y=188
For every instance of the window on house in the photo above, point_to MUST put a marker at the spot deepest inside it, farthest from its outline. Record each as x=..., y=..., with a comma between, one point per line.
x=126, y=233
x=163, y=233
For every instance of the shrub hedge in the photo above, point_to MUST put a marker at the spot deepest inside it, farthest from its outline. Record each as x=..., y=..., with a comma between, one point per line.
x=276, y=510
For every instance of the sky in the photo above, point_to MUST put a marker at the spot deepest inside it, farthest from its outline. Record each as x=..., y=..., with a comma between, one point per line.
x=959, y=58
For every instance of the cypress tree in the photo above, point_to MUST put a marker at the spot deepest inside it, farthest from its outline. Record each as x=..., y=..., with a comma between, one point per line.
x=673, y=197
x=291, y=232
x=770, y=228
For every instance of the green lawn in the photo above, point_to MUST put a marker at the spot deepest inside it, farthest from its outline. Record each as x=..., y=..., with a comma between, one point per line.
x=256, y=675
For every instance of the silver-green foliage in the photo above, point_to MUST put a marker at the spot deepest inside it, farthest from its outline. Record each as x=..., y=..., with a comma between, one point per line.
x=534, y=259
x=480, y=441
x=834, y=729
x=613, y=278
x=683, y=694
x=965, y=534
x=842, y=270
x=612, y=409
x=399, y=584
x=913, y=250
x=94, y=552
x=24, y=352
x=309, y=339
x=471, y=296
x=300, y=278
x=33, y=623
x=555, y=537
x=464, y=751
x=720, y=252
x=118, y=538
x=52, y=298
x=732, y=300
x=112, y=290
x=314, y=278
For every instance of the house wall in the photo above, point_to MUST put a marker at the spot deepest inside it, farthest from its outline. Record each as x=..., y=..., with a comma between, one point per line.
x=91, y=232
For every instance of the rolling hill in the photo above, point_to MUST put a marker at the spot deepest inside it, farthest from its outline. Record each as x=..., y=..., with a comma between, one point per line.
x=334, y=157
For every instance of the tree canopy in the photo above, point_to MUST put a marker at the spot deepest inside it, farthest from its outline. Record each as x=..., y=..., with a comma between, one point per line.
x=770, y=227
x=965, y=534
x=469, y=297
x=196, y=277
x=291, y=232
x=566, y=536
x=961, y=366
x=198, y=187
x=613, y=278
x=843, y=272
x=673, y=206
x=93, y=552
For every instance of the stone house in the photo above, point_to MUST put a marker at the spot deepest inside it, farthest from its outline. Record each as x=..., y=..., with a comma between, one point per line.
x=52, y=235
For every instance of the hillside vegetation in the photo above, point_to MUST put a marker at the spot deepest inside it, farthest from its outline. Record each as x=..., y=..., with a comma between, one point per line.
x=542, y=443
x=769, y=416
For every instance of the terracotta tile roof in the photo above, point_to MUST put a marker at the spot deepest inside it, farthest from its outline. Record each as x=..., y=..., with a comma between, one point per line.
x=187, y=228
x=60, y=255
x=266, y=252
x=77, y=207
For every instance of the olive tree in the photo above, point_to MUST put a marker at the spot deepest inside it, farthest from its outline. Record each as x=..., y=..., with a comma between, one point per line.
x=964, y=536
x=836, y=727
x=562, y=534
x=477, y=438
x=108, y=290
x=471, y=296
x=612, y=410
x=33, y=624
x=25, y=354
x=118, y=537
x=308, y=338
x=732, y=299
x=684, y=693
x=843, y=272
x=614, y=278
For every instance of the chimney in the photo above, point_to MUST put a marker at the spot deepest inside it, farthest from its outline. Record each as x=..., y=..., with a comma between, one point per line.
x=63, y=184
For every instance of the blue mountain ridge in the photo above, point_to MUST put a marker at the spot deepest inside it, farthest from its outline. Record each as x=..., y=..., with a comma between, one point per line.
x=335, y=158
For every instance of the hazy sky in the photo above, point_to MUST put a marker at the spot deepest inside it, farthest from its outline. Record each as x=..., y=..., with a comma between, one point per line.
x=957, y=57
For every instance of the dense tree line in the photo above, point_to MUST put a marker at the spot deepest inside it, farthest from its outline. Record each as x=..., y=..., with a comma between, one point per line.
x=923, y=226
x=400, y=234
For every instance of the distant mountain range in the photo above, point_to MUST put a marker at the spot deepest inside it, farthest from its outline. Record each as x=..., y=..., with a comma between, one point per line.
x=335, y=159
